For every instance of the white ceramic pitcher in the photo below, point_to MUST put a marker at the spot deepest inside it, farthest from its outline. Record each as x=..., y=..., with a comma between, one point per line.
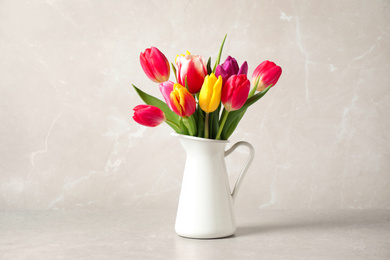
x=205, y=207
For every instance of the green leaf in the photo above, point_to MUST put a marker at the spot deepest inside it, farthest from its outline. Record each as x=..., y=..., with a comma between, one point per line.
x=190, y=124
x=228, y=131
x=174, y=120
x=183, y=128
x=214, y=122
x=208, y=66
x=186, y=84
x=174, y=70
x=219, y=54
x=253, y=99
x=200, y=121
x=235, y=117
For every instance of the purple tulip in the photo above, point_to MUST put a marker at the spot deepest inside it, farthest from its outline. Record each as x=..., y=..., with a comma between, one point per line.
x=230, y=68
x=243, y=69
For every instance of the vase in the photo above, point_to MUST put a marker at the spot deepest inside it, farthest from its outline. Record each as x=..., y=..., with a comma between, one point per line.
x=205, y=208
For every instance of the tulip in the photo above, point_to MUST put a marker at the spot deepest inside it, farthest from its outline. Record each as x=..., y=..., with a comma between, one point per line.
x=267, y=74
x=147, y=115
x=210, y=94
x=210, y=97
x=166, y=88
x=155, y=65
x=230, y=68
x=193, y=68
x=181, y=101
x=234, y=95
x=235, y=92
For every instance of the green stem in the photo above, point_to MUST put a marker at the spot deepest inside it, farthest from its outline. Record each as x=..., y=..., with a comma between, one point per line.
x=189, y=127
x=172, y=124
x=222, y=125
x=206, y=126
x=253, y=90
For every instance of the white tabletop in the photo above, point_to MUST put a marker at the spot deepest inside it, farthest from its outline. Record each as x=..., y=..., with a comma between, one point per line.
x=149, y=234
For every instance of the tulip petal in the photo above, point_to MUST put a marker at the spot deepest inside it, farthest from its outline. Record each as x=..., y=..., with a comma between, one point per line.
x=243, y=69
x=147, y=115
x=240, y=96
x=216, y=97
x=146, y=68
x=221, y=72
x=210, y=94
x=155, y=65
x=230, y=66
x=182, y=102
x=268, y=74
x=192, y=67
x=235, y=92
x=272, y=75
x=166, y=88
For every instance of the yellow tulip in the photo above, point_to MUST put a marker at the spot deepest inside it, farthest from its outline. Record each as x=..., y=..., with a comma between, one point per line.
x=210, y=93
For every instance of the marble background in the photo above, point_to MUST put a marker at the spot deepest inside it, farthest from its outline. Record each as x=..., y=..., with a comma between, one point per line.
x=321, y=134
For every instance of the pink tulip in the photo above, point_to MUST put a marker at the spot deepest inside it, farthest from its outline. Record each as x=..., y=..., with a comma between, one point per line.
x=166, y=88
x=194, y=68
x=235, y=92
x=268, y=74
x=147, y=115
x=182, y=102
x=155, y=65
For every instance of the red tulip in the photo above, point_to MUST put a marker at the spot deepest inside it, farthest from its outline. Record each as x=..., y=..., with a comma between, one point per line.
x=182, y=102
x=147, y=115
x=235, y=92
x=194, y=68
x=268, y=74
x=155, y=65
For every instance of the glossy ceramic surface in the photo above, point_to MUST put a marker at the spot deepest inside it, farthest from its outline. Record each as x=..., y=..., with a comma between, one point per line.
x=206, y=203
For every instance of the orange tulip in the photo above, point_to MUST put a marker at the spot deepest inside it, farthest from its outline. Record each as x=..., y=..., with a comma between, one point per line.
x=181, y=101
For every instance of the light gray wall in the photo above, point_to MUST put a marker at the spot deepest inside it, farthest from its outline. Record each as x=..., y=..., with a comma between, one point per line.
x=68, y=141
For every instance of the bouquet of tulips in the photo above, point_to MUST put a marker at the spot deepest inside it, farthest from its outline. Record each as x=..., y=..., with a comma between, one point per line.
x=204, y=102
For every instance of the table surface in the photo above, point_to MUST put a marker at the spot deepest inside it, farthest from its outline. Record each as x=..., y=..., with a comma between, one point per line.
x=149, y=234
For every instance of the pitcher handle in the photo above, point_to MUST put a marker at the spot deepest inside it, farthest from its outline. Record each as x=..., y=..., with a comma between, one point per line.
x=246, y=167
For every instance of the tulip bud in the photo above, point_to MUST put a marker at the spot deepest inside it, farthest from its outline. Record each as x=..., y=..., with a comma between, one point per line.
x=235, y=92
x=155, y=65
x=182, y=102
x=210, y=94
x=147, y=115
x=267, y=73
x=192, y=67
x=230, y=68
